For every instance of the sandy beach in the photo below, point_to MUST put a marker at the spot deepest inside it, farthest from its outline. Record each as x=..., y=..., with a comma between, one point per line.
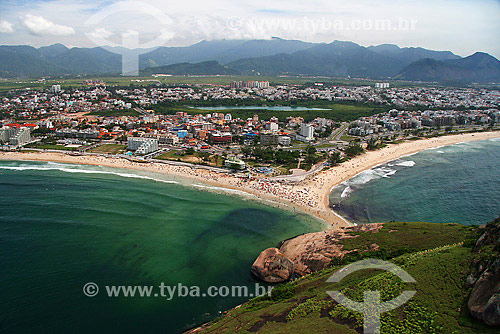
x=310, y=196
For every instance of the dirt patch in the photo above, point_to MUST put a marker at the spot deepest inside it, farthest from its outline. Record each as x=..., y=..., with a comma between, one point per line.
x=264, y=319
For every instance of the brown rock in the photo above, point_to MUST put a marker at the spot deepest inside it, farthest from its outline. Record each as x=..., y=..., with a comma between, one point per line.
x=272, y=266
x=484, y=300
x=314, y=251
x=483, y=289
x=491, y=314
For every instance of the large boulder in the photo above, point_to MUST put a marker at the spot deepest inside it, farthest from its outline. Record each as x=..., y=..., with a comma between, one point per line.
x=272, y=266
x=491, y=314
x=484, y=300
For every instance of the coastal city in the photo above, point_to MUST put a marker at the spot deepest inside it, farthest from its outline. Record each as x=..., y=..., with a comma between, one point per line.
x=227, y=130
x=239, y=167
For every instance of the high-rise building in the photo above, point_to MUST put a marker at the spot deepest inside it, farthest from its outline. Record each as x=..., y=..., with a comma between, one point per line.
x=272, y=127
x=249, y=84
x=382, y=85
x=15, y=136
x=142, y=145
x=307, y=131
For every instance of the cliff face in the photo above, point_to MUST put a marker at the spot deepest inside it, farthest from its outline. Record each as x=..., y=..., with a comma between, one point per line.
x=484, y=300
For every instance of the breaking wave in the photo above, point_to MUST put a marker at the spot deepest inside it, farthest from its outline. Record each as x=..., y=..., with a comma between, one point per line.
x=67, y=168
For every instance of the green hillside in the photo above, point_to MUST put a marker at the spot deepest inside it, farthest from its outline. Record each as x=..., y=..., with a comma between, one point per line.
x=437, y=256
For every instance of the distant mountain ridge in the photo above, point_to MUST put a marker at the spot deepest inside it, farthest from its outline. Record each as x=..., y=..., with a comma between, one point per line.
x=479, y=67
x=340, y=59
x=257, y=57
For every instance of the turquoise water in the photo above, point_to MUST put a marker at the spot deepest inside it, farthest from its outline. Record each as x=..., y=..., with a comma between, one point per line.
x=62, y=226
x=272, y=108
x=452, y=184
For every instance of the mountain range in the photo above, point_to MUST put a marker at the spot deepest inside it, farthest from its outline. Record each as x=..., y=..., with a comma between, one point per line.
x=257, y=57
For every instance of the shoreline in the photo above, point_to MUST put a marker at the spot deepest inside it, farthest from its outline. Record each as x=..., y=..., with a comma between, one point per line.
x=310, y=196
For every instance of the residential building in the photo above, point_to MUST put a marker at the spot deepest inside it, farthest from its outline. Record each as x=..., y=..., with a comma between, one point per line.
x=268, y=138
x=307, y=131
x=284, y=140
x=142, y=145
x=15, y=136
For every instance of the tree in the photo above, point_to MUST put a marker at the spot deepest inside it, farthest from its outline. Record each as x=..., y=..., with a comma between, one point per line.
x=353, y=150
x=310, y=150
x=334, y=159
x=372, y=144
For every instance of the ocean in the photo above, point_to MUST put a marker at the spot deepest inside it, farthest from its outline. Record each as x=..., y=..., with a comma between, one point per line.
x=62, y=226
x=453, y=184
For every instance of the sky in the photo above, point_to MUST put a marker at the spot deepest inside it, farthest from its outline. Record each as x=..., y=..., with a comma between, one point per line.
x=461, y=26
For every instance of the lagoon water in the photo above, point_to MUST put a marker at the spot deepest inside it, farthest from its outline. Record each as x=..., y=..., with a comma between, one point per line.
x=272, y=108
x=62, y=226
x=452, y=184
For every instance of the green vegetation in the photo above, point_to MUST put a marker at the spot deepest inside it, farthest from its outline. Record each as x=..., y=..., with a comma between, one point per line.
x=282, y=159
x=336, y=111
x=347, y=138
x=53, y=147
x=374, y=144
x=436, y=255
x=109, y=149
x=190, y=156
x=114, y=113
x=269, y=155
x=13, y=84
x=51, y=144
x=204, y=68
x=334, y=159
x=353, y=150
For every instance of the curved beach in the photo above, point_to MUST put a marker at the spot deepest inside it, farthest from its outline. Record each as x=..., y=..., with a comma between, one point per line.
x=310, y=196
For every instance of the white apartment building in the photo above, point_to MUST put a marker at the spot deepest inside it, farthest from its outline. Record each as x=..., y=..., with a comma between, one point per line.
x=142, y=145
x=272, y=126
x=307, y=131
x=14, y=136
x=284, y=140
x=382, y=85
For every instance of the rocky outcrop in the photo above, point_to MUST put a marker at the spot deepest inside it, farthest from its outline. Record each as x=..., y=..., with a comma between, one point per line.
x=272, y=266
x=314, y=251
x=305, y=253
x=484, y=300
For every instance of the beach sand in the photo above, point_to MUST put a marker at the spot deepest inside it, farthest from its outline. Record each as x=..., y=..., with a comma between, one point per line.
x=310, y=196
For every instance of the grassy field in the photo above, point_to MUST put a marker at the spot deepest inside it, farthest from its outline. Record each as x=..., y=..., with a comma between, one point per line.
x=433, y=254
x=195, y=158
x=53, y=147
x=347, y=138
x=11, y=84
x=109, y=149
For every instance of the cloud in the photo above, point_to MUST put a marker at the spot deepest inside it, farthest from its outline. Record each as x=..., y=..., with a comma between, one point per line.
x=101, y=33
x=6, y=27
x=41, y=26
x=465, y=27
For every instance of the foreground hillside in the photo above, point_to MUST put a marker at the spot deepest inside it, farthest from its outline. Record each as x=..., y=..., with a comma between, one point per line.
x=437, y=256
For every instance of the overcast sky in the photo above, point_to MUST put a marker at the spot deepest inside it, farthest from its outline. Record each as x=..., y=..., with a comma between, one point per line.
x=462, y=26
